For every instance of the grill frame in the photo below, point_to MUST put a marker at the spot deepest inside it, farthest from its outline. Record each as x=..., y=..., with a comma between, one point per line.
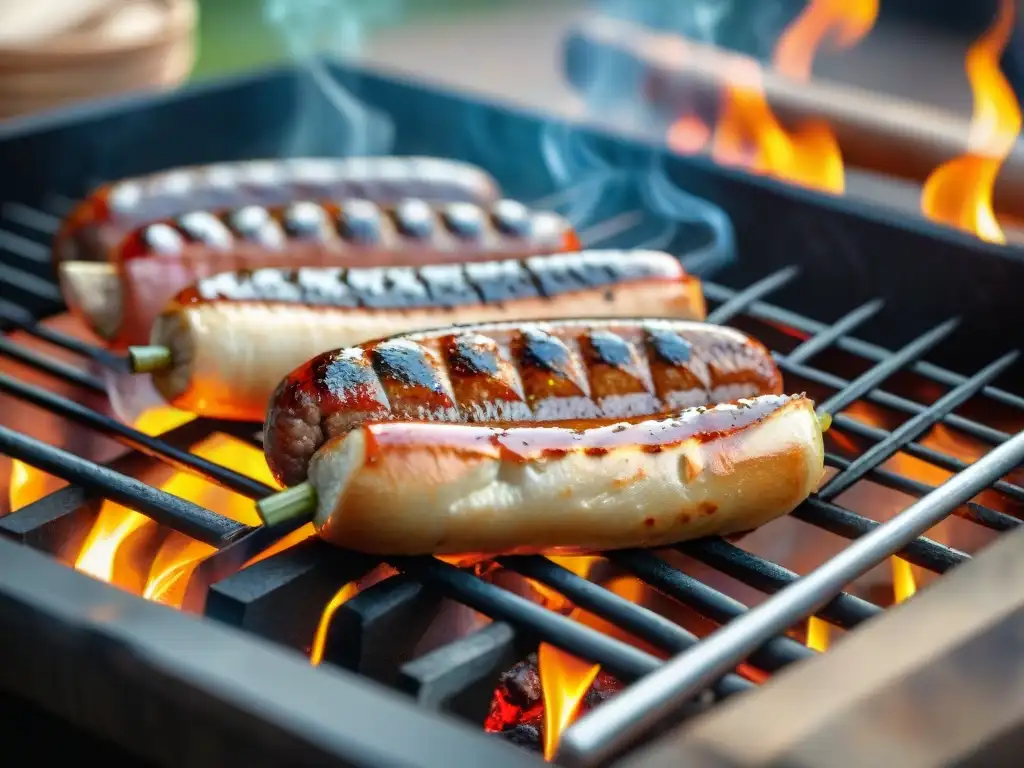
x=43, y=524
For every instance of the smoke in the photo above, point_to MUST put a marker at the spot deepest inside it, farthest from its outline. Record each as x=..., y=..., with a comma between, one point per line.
x=312, y=31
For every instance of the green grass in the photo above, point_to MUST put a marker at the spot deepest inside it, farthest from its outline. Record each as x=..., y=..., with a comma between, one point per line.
x=233, y=35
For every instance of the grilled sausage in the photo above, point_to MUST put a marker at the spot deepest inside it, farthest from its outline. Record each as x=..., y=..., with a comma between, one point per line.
x=420, y=488
x=227, y=356
x=512, y=372
x=102, y=219
x=161, y=258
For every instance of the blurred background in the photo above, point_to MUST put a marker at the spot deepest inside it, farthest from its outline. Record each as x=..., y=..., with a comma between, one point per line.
x=49, y=49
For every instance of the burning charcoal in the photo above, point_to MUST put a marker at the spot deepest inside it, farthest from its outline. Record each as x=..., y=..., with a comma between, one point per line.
x=525, y=735
x=603, y=688
x=522, y=684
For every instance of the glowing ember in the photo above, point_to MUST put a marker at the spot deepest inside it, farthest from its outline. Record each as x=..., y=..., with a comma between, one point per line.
x=959, y=193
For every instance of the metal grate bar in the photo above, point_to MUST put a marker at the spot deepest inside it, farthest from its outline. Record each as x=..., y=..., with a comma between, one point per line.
x=50, y=366
x=638, y=708
x=635, y=619
x=832, y=518
x=972, y=511
x=25, y=322
x=619, y=658
x=773, y=314
x=133, y=438
x=31, y=218
x=738, y=303
x=897, y=403
x=825, y=338
x=722, y=609
x=189, y=518
x=845, y=610
x=37, y=286
x=878, y=373
x=23, y=247
x=915, y=427
x=923, y=452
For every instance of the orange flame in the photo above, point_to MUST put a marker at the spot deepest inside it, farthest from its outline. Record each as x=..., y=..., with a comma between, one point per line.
x=749, y=135
x=959, y=192
x=28, y=485
x=346, y=593
x=115, y=523
x=564, y=681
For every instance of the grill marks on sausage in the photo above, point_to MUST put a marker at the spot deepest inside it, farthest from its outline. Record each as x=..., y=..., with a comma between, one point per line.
x=224, y=184
x=449, y=285
x=356, y=223
x=560, y=371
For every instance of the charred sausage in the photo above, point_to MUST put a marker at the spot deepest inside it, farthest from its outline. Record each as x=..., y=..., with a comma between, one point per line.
x=107, y=214
x=416, y=488
x=231, y=339
x=159, y=259
x=512, y=372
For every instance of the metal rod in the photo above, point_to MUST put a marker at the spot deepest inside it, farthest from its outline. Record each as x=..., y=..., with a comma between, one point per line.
x=923, y=552
x=825, y=338
x=638, y=708
x=977, y=513
x=879, y=372
x=844, y=610
x=769, y=312
x=172, y=511
x=635, y=619
x=50, y=366
x=901, y=404
x=133, y=438
x=27, y=323
x=914, y=427
x=740, y=301
x=919, y=451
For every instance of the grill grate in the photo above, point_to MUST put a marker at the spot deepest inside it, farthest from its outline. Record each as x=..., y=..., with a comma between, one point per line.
x=254, y=597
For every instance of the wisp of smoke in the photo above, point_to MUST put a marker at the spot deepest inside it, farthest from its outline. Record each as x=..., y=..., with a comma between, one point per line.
x=326, y=113
x=636, y=206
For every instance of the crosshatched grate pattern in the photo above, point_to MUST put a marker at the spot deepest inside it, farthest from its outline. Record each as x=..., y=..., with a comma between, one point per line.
x=300, y=580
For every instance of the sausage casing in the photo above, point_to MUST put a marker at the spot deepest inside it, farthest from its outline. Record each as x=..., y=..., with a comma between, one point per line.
x=418, y=488
x=157, y=260
x=513, y=372
x=109, y=212
x=229, y=355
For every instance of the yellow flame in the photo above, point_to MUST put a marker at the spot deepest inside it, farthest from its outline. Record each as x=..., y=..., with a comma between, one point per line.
x=959, y=192
x=817, y=634
x=564, y=681
x=903, y=583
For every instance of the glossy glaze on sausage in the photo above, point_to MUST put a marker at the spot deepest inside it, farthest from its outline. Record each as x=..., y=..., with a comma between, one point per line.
x=109, y=212
x=421, y=488
x=157, y=260
x=513, y=372
x=233, y=337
